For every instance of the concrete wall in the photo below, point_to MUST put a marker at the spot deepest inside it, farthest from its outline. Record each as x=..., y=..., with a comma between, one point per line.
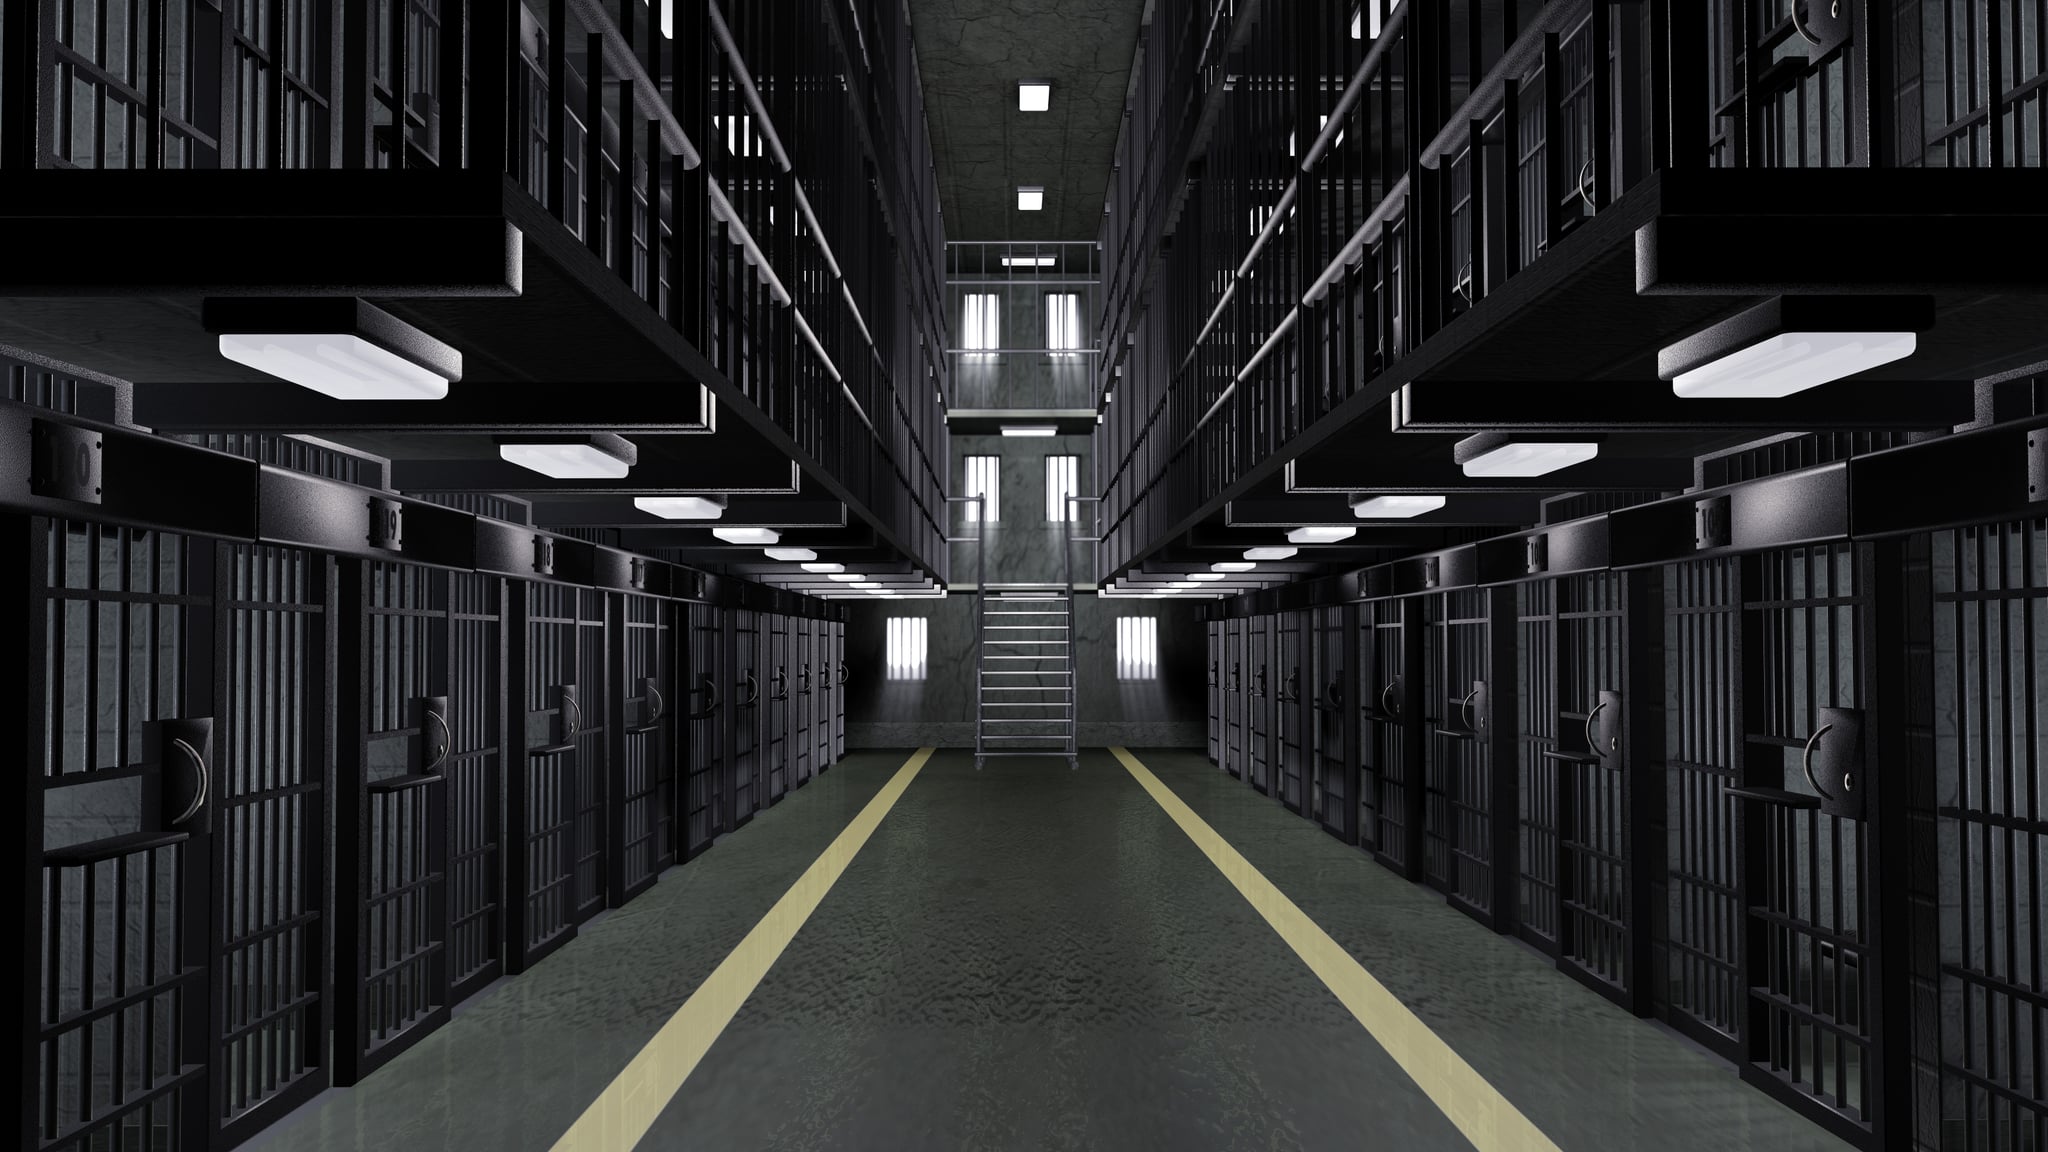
x=1023, y=547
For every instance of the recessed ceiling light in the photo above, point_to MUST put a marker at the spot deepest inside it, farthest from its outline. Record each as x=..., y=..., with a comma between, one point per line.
x=791, y=554
x=1033, y=96
x=845, y=577
x=1205, y=576
x=1030, y=199
x=1030, y=430
x=1788, y=344
x=1395, y=507
x=747, y=535
x=1321, y=534
x=1028, y=261
x=599, y=457
x=680, y=507
x=1272, y=553
x=1499, y=454
x=1232, y=566
x=825, y=566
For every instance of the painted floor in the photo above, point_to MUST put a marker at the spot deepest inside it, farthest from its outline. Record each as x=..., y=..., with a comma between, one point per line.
x=1028, y=957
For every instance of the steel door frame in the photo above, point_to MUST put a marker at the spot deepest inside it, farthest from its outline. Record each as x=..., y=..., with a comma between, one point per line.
x=1293, y=635
x=1260, y=689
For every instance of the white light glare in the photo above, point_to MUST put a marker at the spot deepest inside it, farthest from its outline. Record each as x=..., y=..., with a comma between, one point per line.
x=1030, y=199
x=679, y=507
x=1028, y=261
x=1320, y=534
x=564, y=461
x=1395, y=507
x=845, y=577
x=340, y=365
x=1205, y=576
x=1791, y=362
x=1232, y=566
x=1536, y=459
x=1279, y=553
x=825, y=566
x=1033, y=96
x=1030, y=430
x=747, y=535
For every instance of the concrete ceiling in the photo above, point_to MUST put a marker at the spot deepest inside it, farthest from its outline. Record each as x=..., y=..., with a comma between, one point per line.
x=971, y=54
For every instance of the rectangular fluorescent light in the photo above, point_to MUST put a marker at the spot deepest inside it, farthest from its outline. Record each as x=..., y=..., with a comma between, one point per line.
x=1030, y=199
x=680, y=507
x=1178, y=585
x=1790, y=362
x=1030, y=430
x=341, y=365
x=1320, y=534
x=791, y=554
x=1205, y=576
x=1276, y=553
x=1028, y=261
x=825, y=566
x=1496, y=454
x=1033, y=96
x=865, y=585
x=1395, y=507
x=747, y=535
x=845, y=577
x=589, y=460
x=1232, y=566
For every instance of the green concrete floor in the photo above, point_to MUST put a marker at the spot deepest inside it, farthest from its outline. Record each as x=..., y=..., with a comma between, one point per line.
x=1032, y=958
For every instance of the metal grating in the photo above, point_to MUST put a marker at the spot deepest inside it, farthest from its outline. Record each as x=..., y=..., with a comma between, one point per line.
x=1536, y=910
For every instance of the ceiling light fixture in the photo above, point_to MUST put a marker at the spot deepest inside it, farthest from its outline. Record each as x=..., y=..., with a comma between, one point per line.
x=1033, y=95
x=791, y=554
x=1028, y=261
x=1320, y=534
x=1179, y=585
x=680, y=507
x=825, y=566
x=1394, y=507
x=1206, y=576
x=1030, y=430
x=336, y=346
x=1791, y=343
x=845, y=577
x=1269, y=553
x=600, y=456
x=1232, y=566
x=1501, y=454
x=747, y=535
x=1030, y=199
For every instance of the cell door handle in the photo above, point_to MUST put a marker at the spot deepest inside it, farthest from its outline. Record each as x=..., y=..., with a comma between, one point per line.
x=753, y=690
x=1384, y=705
x=1586, y=177
x=1592, y=743
x=1290, y=688
x=571, y=708
x=205, y=780
x=1334, y=691
x=1465, y=707
x=441, y=748
x=1806, y=763
x=1834, y=12
x=657, y=705
x=842, y=672
x=781, y=685
x=710, y=691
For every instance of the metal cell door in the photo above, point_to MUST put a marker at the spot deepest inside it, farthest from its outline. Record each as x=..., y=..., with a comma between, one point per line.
x=1462, y=854
x=744, y=681
x=776, y=641
x=801, y=743
x=644, y=767
x=839, y=691
x=593, y=795
x=1214, y=630
x=114, y=630
x=1291, y=707
x=1332, y=688
x=541, y=801
x=1391, y=731
x=706, y=807
x=1233, y=697
x=1703, y=935
x=826, y=673
x=1258, y=701
x=474, y=773
x=1809, y=1027
x=273, y=642
x=1990, y=630
x=391, y=919
x=1537, y=764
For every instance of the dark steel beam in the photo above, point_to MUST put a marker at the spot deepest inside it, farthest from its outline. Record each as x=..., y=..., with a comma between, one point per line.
x=1650, y=406
x=278, y=407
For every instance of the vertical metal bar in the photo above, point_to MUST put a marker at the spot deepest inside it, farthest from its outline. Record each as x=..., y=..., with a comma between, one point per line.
x=352, y=818
x=1604, y=143
x=558, y=108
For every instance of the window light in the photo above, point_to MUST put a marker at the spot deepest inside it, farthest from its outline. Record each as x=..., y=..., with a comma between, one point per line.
x=1030, y=430
x=1498, y=454
x=747, y=535
x=1320, y=534
x=1232, y=566
x=1033, y=96
x=981, y=325
x=1028, y=261
x=791, y=554
x=340, y=365
x=1395, y=507
x=1061, y=478
x=1137, y=647
x=1030, y=198
x=984, y=478
x=825, y=566
x=599, y=457
x=1270, y=553
x=1063, y=323
x=680, y=507
x=904, y=647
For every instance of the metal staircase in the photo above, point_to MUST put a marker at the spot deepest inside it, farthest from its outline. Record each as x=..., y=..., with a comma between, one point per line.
x=1024, y=671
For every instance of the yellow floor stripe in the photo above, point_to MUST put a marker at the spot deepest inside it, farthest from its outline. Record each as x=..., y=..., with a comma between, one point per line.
x=617, y=1119
x=1475, y=1106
